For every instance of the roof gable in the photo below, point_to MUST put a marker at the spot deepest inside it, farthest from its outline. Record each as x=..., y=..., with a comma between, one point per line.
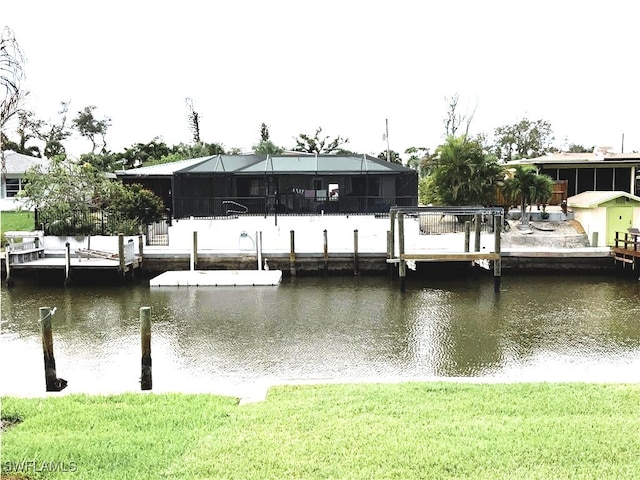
x=592, y=199
x=162, y=169
x=18, y=163
x=323, y=165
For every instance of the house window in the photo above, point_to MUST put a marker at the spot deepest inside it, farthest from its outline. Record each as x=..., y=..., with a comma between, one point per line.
x=13, y=187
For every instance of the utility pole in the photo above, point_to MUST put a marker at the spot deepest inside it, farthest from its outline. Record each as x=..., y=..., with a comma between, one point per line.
x=386, y=136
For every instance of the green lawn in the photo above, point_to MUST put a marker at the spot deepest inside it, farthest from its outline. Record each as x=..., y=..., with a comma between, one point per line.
x=12, y=221
x=403, y=431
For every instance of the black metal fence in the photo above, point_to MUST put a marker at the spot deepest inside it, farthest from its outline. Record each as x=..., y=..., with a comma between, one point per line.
x=83, y=222
x=285, y=204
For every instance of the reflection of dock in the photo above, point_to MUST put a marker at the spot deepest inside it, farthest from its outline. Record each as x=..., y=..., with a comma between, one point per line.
x=30, y=255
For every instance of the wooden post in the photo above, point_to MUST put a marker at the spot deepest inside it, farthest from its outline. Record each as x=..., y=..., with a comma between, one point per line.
x=356, y=260
x=497, y=264
x=392, y=247
x=67, y=264
x=478, y=231
x=194, y=252
x=326, y=252
x=389, y=254
x=122, y=267
x=292, y=253
x=259, y=250
x=145, y=337
x=53, y=383
x=467, y=235
x=403, y=263
x=9, y=280
x=141, y=250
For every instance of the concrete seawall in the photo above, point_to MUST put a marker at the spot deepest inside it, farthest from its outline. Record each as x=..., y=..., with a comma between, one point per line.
x=232, y=243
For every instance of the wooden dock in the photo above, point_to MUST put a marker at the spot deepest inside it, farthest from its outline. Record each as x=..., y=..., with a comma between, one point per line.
x=476, y=214
x=626, y=249
x=30, y=255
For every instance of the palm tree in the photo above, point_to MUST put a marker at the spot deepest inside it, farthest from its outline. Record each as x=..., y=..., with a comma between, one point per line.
x=464, y=174
x=542, y=191
x=520, y=187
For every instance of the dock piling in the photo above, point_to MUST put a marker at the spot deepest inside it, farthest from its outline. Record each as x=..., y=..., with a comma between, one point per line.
x=53, y=383
x=356, y=261
x=194, y=252
x=497, y=263
x=145, y=337
x=389, y=254
x=67, y=264
x=325, y=252
x=403, y=263
x=122, y=270
x=478, y=219
x=292, y=253
x=9, y=280
x=467, y=236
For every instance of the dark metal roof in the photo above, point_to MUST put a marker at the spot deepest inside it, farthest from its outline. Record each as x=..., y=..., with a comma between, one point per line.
x=277, y=164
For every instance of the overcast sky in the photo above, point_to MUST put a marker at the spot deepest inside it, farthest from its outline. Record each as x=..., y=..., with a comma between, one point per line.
x=343, y=65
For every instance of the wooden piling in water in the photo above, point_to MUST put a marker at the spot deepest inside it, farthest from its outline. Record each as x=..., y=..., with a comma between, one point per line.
x=356, y=261
x=145, y=337
x=389, y=254
x=53, y=383
x=478, y=231
x=259, y=249
x=122, y=270
x=467, y=236
x=497, y=264
x=326, y=252
x=194, y=252
x=292, y=253
x=9, y=279
x=140, y=250
x=403, y=264
x=67, y=264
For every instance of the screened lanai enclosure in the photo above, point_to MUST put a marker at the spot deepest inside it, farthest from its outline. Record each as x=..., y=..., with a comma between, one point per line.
x=264, y=184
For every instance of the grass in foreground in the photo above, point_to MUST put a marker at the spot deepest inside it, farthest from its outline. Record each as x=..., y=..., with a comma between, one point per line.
x=410, y=430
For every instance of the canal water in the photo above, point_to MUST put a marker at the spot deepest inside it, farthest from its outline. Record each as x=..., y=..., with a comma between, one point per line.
x=544, y=327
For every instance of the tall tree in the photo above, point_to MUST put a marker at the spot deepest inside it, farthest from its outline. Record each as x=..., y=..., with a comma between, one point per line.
x=525, y=139
x=464, y=174
x=26, y=130
x=394, y=157
x=318, y=144
x=265, y=146
x=264, y=132
x=454, y=119
x=90, y=127
x=194, y=121
x=11, y=76
x=53, y=133
x=420, y=160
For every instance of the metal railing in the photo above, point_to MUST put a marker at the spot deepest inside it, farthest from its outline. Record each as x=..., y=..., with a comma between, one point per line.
x=207, y=207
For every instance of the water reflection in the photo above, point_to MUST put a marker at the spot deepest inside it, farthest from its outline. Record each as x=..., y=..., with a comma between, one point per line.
x=539, y=328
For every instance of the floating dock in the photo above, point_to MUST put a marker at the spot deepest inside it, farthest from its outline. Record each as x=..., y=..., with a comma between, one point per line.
x=217, y=278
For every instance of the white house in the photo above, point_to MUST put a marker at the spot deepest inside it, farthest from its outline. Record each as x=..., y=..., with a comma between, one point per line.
x=13, y=181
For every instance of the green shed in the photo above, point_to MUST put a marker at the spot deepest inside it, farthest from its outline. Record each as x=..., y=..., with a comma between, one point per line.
x=602, y=214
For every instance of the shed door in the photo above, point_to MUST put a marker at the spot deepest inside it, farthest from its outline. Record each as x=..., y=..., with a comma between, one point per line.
x=618, y=220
